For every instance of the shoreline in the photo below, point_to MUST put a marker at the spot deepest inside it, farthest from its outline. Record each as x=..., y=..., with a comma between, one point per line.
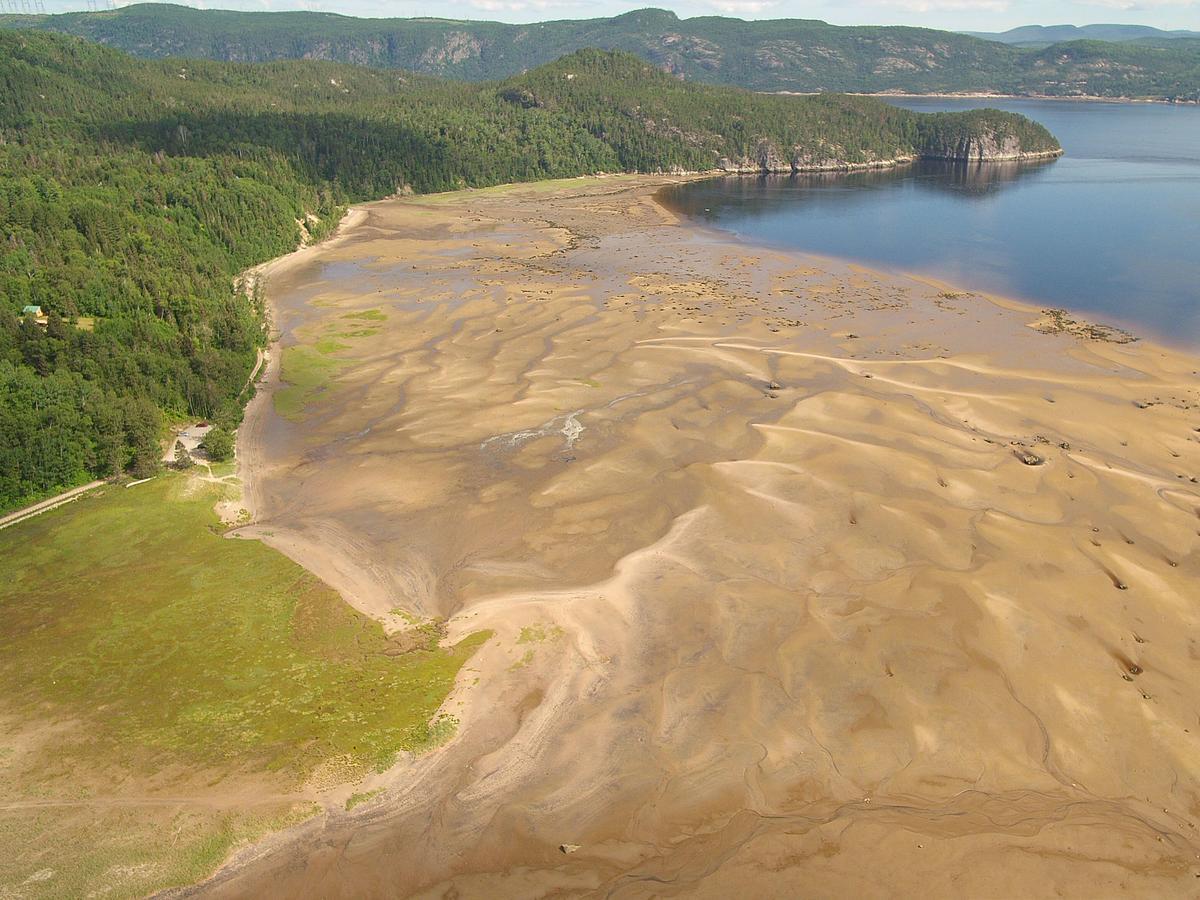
x=703, y=333
x=262, y=403
x=983, y=95
x=898, y=162
x=1132, y=331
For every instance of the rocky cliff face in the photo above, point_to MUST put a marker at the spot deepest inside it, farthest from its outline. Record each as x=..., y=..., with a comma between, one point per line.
x=985, y=146
x=768, y=159
x=773, y=164
x=980, y=145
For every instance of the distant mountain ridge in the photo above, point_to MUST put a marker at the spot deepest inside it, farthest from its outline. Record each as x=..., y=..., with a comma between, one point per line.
x=1053, y=34
x=799, y=55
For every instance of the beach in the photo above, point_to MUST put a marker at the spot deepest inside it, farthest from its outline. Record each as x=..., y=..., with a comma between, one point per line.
x=801, y=577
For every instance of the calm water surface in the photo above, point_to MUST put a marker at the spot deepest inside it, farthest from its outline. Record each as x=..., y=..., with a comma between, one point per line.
x=1111, y=229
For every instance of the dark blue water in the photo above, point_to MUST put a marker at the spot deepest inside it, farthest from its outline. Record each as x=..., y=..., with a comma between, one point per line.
x=1111, y=229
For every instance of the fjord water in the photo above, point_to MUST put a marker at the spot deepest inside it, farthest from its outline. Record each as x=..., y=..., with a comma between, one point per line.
x=1111, y=229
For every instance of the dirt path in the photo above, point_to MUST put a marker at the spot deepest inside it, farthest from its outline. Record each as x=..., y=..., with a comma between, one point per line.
x=52, y=503
x=259, y=358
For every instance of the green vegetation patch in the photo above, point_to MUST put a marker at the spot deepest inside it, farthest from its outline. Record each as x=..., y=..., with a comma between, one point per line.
x=125, y=851
x=521, y=663
x=361, y=797
x=367, y=315
x=138, y=642
x=356, y=333
x=200, y=648
x=329, y=345
x=538, y=633
x=306, y=373
x=309, y=369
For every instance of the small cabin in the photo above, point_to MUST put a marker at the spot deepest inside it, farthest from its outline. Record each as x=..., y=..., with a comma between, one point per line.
x=35, y=313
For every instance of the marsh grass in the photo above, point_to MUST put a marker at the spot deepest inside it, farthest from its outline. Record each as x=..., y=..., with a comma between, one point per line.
x=124, y=851
x=152, y=658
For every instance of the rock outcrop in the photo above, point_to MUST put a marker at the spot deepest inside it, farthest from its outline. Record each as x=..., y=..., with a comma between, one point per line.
x=987, y=145
x=991, y=137
x=769, y=160
x=766, y=159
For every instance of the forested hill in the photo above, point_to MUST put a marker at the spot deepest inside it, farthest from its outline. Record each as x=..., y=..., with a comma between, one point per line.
x=769, y=55
x=132, y=192
x=1042, y=35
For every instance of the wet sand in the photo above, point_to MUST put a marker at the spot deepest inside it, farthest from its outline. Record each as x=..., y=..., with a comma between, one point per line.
x=780, y=605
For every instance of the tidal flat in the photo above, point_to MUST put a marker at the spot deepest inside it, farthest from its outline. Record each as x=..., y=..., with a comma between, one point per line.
x=798, y=573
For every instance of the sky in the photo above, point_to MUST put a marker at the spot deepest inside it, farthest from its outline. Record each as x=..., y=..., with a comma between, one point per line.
x=955, y=15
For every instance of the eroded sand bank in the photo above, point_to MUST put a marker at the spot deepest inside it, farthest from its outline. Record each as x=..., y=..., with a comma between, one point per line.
x=778, y=609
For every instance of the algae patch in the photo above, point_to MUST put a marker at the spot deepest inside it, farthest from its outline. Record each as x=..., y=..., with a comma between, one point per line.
x=306, y=373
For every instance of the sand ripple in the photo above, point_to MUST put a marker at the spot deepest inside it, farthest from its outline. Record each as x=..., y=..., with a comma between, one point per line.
x=805, y=623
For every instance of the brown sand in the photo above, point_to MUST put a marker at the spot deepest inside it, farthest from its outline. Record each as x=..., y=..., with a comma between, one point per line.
x=831, y=637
